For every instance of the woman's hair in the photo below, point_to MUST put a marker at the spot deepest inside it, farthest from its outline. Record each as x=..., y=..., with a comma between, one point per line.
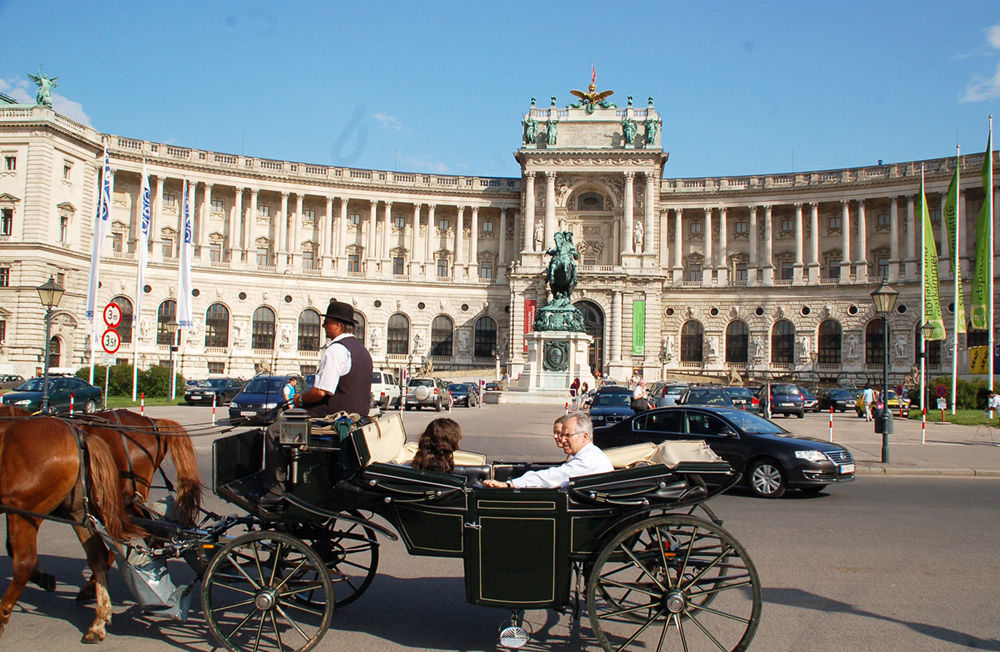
x=437, y=444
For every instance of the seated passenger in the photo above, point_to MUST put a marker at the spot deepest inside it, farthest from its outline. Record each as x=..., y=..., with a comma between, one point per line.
x=437, y=445
x=577, y=440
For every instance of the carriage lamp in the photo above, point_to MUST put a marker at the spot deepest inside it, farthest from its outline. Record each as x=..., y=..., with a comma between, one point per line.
x=50, y=293
x=884, y=298
x=171, y=328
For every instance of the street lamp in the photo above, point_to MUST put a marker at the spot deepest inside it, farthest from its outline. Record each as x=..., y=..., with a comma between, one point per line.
x=884, y=298
x=171, y=327
x=50, y=294
x=925, y=334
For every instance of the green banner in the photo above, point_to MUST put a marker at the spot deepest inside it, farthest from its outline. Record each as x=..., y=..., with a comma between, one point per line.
x=951, y=223
x=932, y=297
x=981, y=273
x=638, y=328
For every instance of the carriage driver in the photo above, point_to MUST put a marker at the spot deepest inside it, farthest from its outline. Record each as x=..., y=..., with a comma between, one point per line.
x=343, y=384
x=576, y=439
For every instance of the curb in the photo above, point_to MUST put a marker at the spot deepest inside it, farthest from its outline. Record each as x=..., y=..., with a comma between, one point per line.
x=931, y=472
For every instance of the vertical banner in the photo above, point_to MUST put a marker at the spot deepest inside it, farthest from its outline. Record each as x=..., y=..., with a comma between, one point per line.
x=951, y=222
x=530, y=306
x=184, y=319
x=639, y=328
x=101, y=224
x=984, y=225
x=932, y=285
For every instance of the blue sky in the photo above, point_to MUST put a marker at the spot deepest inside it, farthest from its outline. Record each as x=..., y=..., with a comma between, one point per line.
x=743, y=87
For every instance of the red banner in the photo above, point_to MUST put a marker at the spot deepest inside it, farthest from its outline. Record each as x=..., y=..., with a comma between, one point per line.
x=529, y=319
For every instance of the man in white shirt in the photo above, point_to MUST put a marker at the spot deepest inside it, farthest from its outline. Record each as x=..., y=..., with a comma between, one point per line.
x=577, y=440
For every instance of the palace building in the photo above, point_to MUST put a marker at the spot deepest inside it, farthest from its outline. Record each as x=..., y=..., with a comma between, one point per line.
x=768, y=275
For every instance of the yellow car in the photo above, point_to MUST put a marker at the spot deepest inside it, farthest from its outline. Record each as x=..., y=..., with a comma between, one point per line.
x=859, y=406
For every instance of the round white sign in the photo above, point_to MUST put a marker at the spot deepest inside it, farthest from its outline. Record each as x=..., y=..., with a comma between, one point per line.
x=111, y=340
x=112, y=315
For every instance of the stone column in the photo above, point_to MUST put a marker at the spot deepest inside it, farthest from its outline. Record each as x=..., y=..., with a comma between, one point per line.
x=474, y=242
x=912, y=267
x=529, y=212
x=501, y=271
x=413, y=234
x=678, y=241
x=861, y=264
x=768, y=246
x=387, y=235
x=295, y=244
x=893, y=239
x=431, y=226
x=627, y=213
x=341, y=250
x=459, y=248
x=722, y=271
x=206, y=209
x=797, y=275
x=235, y=242
x=664, y=238
x=550, y=211
x=753, y=269
x=845, y=241
x=248, y=239
x=616, y=326
x=708, y=271
x=282, y=247
x=648, y=227
x=814, y=266
x=372, y=250
x=326, y=233
x=155, y=223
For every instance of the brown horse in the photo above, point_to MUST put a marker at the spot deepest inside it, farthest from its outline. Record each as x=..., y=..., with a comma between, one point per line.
x=41, y=471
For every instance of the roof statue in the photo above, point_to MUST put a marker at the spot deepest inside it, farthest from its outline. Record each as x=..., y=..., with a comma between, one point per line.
x=592, y=98
x=45, y=86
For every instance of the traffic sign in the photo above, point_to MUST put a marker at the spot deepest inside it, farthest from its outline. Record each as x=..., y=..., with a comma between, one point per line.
x=941, y=390
x=111, y=340
x=112, y=315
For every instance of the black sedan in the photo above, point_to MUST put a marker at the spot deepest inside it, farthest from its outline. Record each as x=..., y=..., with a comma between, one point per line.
x=611, y=404
x=464, y=394
x=840, y=400
x=222, y=390
x=771, y=459
x=63, y=390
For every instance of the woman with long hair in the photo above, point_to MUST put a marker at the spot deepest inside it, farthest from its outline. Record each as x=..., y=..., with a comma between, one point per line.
x=437, y=445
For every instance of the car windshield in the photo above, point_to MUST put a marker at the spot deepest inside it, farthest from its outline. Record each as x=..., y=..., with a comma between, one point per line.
x=740, y=392
x=611, y=399
x=31, y=385
x=420, y=382
x=785, y=389
x=708, y=397
x=841, y=394
x=217, y=383
x=265, y=386
x=674, y=390
x=458, y=387
x=752, y=424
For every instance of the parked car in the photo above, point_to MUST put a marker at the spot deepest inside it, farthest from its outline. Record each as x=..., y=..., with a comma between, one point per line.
x=10, y=381
x=493, y=387
x=431, y=392
x=785, y=399
x=85, y=397
x=744, y=399
x=466, y=394
x=611, y=404
x=256, y=403
x=706, y=396
x=859, y=404
x=809, y=401
x=663, y=394
x=771, y=459
x=385, y=389
x=839, y=399
x=223, y=390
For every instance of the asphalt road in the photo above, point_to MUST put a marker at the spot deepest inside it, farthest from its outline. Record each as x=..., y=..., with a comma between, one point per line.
x=894, y=563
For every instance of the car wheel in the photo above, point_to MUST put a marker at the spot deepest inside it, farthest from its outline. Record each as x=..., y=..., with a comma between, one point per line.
x=437, y=406
x=801, y=414
x=90, y=407
x=766, y=479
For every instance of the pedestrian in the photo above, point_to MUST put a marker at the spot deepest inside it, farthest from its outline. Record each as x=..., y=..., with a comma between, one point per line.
x=639, y=401
x=574, y=392
x=868, y=399
x=992, y=403
x=289, y=390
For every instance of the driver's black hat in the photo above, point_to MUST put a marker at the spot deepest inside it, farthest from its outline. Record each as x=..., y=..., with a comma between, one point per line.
x=340, y=311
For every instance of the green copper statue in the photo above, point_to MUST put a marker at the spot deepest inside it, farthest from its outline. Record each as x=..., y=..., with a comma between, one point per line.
x=45, y=86
x=551, y=131
x=560, y=314
x=629, y=128
x=652, y=126
x=530, y=131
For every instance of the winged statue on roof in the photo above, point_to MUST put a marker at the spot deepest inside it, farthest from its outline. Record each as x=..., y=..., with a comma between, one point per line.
x=591, y=98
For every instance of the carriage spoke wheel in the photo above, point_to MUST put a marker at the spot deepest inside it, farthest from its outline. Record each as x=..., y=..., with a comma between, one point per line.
x=252, y=594
x=350, y=552
x=674, y=582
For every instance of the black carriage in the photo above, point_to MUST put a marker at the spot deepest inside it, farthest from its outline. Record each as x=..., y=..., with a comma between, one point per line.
x=651, y=561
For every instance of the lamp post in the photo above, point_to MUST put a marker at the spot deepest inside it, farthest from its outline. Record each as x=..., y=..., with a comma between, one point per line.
x=171, y=327
x=925, y=333
x=50, y=293
x=884, y=298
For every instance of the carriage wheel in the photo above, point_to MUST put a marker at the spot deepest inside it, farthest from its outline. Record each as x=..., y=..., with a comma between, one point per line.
x=674, y=582
x=251, y=594
x=350, y=555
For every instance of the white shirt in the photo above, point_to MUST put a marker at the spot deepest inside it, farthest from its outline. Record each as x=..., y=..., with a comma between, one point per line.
x=590, y=459
x=638, y=391
x=334, y=364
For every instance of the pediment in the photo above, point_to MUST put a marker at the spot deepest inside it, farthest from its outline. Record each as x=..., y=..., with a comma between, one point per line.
x=7, y=198
x=66, y=206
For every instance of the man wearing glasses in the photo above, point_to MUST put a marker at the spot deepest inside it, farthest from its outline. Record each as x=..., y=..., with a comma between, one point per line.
x=577, y=440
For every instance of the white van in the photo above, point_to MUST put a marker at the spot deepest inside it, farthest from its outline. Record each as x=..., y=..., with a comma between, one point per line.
x=385, y=389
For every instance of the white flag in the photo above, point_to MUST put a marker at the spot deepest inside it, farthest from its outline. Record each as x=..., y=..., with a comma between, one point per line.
x=184, y=286
x=100, y=231
x=143, y=246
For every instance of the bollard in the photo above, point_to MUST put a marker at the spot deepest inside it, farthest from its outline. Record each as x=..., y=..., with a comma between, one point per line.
x=214, y=396
x=142, y=402
x=71, y=405
x=831, y=423
x=923, y=425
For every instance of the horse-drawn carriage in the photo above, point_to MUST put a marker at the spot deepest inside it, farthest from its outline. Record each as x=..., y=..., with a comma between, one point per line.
x=627, y=543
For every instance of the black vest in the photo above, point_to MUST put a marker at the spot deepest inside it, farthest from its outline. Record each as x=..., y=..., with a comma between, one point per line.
x=354, y=391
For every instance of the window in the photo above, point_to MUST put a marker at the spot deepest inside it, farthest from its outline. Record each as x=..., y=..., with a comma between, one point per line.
x=10, y=163
x=55, y=351
x=309, y=214
x=397, y=266
x=67, y=171
x=169, y=200
x=787, y=272
x=442, y=267
x=4, y=277
x=262, y=328
x=167, y=312
x=6, y=221
x=308, y=258
x=398, y=335
x=782, y=342
x=354, y=263
x=3, y=330
x=787, y=225
x=935, y=216
x=444, y=224
x=882, y=222
x=217, y=326
x=441, y=335
x=834, y=223
x=485, y=337
x=693, y=272
x=309, y=330
x=832, y=269
x=216, y=367
x=486, y=269
x=306, y=369
x=692, y=335
x=263, y=210
x=741, y=271
x=263, y=256
x=737, y=342
x=874, y=342
x=168, y=247
x=116, y=242
x=695, y=228
x=125, y=326
x=359, y=330
x=354, y=218
x=882, y=265
x=590, y=201
x=215, y=252
x=399, y=222
x=740, y=228
x=218, y=206
x=488, y=226
x=829, y=342
x=64, y=229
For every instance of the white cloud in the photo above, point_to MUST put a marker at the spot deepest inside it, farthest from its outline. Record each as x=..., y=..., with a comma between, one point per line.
x=389, y=122
x=24, y=92
x=993, y=36
x=70, y=109
x=981, y=88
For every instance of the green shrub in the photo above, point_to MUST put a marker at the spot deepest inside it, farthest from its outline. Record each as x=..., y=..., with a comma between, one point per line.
x=971, y=393
x=154, y=381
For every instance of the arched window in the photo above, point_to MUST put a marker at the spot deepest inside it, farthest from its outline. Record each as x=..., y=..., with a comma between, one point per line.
x=737, y=342
x=829, y=343
x=262, y=328
x=309, y=330
x=874, y=342
x=485, y=337
x=359, y=330
x=398, y=337
x=124, y=328
x=590, y=201
x=782, y=342
x=55, y=351
x=442, y=334
x=217, y=326
x=166, y=313
x=692, y=337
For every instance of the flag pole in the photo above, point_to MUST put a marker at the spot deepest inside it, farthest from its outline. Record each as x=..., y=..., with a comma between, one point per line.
x=989, y=199
x=956, y=270
x=923, y=297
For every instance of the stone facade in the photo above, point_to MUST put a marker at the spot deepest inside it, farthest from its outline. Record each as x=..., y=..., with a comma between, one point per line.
x=769, y=275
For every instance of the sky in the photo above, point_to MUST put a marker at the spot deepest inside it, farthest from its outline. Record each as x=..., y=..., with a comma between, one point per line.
x=743, y=87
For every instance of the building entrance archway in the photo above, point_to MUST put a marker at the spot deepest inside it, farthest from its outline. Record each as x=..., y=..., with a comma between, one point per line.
x=593, y=325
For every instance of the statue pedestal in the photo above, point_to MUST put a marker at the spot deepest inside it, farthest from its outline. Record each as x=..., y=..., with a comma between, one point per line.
x=553, y=360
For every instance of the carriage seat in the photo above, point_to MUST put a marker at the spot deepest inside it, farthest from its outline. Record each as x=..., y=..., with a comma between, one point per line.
x=462, y=458
x=668, y=453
